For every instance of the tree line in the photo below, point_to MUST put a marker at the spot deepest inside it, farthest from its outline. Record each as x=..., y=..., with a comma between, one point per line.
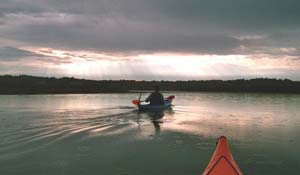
x=24, y=84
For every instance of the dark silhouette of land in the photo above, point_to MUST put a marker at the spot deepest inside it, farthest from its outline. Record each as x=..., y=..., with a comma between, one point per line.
x=25, y=84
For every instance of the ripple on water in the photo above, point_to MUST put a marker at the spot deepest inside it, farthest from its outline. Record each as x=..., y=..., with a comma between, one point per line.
x=44, y=131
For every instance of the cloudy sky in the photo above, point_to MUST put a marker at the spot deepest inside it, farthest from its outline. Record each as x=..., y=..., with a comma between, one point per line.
x=151, y=39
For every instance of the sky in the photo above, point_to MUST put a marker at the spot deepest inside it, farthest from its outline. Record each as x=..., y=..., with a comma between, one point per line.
x=151, y=39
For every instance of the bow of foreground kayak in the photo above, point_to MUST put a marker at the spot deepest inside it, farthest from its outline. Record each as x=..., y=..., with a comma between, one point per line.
x=222, y=162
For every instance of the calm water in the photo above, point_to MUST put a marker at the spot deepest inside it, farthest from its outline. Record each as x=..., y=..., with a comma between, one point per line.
x=104, y=134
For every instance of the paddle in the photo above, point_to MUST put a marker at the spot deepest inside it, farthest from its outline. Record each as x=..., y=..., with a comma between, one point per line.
x=136, y=102
x=171, y=97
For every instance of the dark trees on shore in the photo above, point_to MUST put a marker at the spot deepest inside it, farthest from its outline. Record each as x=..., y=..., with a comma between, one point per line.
x=24, y=84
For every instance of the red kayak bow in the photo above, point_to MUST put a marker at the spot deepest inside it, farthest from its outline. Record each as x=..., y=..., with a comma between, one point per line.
x=222, y=162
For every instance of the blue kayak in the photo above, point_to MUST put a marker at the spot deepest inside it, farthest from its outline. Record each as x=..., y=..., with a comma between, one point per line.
x=148, y=107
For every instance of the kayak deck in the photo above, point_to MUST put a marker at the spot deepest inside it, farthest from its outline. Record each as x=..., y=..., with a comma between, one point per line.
x=148, y=107
x=222, y=162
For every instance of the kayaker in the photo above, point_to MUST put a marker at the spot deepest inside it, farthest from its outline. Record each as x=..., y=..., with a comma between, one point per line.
x=155, y=98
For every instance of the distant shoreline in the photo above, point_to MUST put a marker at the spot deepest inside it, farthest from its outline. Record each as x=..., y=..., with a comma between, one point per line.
x=25, y=84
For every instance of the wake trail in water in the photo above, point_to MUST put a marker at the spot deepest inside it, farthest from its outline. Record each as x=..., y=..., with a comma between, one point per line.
x=45, y=129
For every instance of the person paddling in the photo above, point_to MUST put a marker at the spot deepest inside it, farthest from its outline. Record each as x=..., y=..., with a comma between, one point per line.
x=155, y=98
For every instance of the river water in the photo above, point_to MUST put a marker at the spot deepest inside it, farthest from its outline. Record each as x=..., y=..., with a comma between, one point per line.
x=91, y=134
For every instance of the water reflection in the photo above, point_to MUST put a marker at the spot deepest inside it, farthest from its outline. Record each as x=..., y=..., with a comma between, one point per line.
x=155, y=117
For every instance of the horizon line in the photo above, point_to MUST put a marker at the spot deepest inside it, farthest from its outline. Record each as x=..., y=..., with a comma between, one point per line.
x=67, y=77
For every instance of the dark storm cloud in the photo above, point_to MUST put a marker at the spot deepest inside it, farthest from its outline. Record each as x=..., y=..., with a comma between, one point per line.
x=15, y=6
x=239, y=12
x=198, y=26
x=13, y=54
x=127, y=40
x=242, y=13
x=255, y=14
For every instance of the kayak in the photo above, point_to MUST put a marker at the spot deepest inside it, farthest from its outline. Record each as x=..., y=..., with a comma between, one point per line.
x=147, y=107
x=222, y=162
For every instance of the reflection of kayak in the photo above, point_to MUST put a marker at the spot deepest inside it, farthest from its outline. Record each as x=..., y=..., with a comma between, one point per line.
x=148, y=107
x=222, y=162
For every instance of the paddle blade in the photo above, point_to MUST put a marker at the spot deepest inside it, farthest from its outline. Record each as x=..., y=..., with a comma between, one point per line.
x=136, y=102
x=171, y=97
